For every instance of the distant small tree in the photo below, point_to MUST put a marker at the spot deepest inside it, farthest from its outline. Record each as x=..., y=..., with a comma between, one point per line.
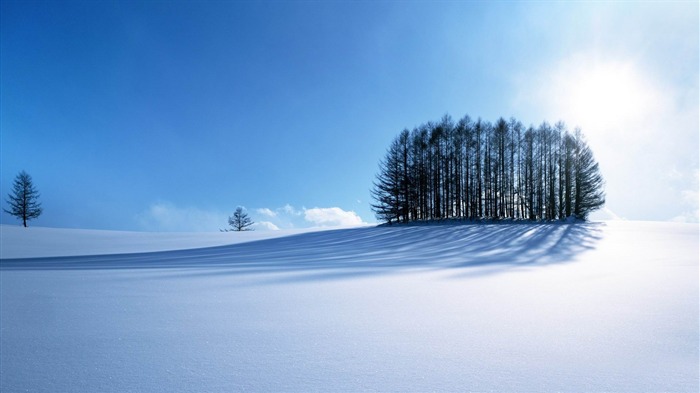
x=23, y=199
x=239, y=221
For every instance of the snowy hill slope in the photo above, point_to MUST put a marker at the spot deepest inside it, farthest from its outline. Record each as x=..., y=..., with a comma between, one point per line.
x=37, y=242
x=516, y=307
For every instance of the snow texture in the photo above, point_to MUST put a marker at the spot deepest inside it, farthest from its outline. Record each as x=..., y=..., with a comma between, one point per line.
x=478, y=307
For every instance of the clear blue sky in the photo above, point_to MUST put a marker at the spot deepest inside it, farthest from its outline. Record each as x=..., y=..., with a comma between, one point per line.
x=161, y=115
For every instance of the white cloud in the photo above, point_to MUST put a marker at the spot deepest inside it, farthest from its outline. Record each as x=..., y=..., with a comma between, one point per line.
x=332, y=216
x=266, y=212
x=289, y=209
x=265, y=226
x=691, y=202
x=289, y=216
x=687, y=217
x=166, y=217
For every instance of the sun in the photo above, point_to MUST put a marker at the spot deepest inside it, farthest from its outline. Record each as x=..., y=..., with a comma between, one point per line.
x=608, y=95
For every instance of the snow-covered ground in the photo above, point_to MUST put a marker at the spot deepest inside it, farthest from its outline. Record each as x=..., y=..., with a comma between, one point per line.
x=35, y=242
x=515, y=307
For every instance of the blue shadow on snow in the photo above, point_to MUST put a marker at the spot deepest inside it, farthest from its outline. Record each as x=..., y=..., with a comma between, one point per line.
x=360, y=251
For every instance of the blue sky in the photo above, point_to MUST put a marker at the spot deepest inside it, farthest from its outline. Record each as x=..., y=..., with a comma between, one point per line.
x=167, y=115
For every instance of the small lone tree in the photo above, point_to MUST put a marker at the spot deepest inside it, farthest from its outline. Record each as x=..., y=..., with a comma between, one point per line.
x=239, y=221
x=23, y=199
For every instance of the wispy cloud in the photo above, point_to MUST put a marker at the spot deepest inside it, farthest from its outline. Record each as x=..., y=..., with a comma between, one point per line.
x=690, y=201
x=289, y=209
x=164, y=216
x=265, y=226
x=266, y=212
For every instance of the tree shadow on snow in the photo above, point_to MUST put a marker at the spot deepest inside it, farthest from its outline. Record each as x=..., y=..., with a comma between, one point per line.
x=348, y=253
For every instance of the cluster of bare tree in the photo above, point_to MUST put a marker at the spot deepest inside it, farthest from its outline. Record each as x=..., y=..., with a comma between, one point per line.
x=478, y=170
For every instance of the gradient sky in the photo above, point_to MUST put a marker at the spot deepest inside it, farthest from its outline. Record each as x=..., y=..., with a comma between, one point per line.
x=165, y=116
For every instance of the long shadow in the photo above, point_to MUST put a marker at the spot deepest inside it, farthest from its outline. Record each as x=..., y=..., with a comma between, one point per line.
x=359, y=251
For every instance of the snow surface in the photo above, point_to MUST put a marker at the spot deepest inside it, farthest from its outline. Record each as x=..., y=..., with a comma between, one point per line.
x=35, y=242
x=512, y=307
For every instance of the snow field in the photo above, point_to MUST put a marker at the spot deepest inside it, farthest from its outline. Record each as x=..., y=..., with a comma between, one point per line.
x=516, y=307
x=37, y=242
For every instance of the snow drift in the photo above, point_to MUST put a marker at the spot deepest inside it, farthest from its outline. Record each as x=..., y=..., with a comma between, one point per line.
x=514, y=307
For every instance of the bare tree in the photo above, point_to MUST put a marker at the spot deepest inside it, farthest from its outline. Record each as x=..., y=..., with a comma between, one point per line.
x=588, y=182
x=239, y=221
x=387, y=187
x=23, y=200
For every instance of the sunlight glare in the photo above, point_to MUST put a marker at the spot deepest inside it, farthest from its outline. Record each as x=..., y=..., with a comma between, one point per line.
x=609, y=95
